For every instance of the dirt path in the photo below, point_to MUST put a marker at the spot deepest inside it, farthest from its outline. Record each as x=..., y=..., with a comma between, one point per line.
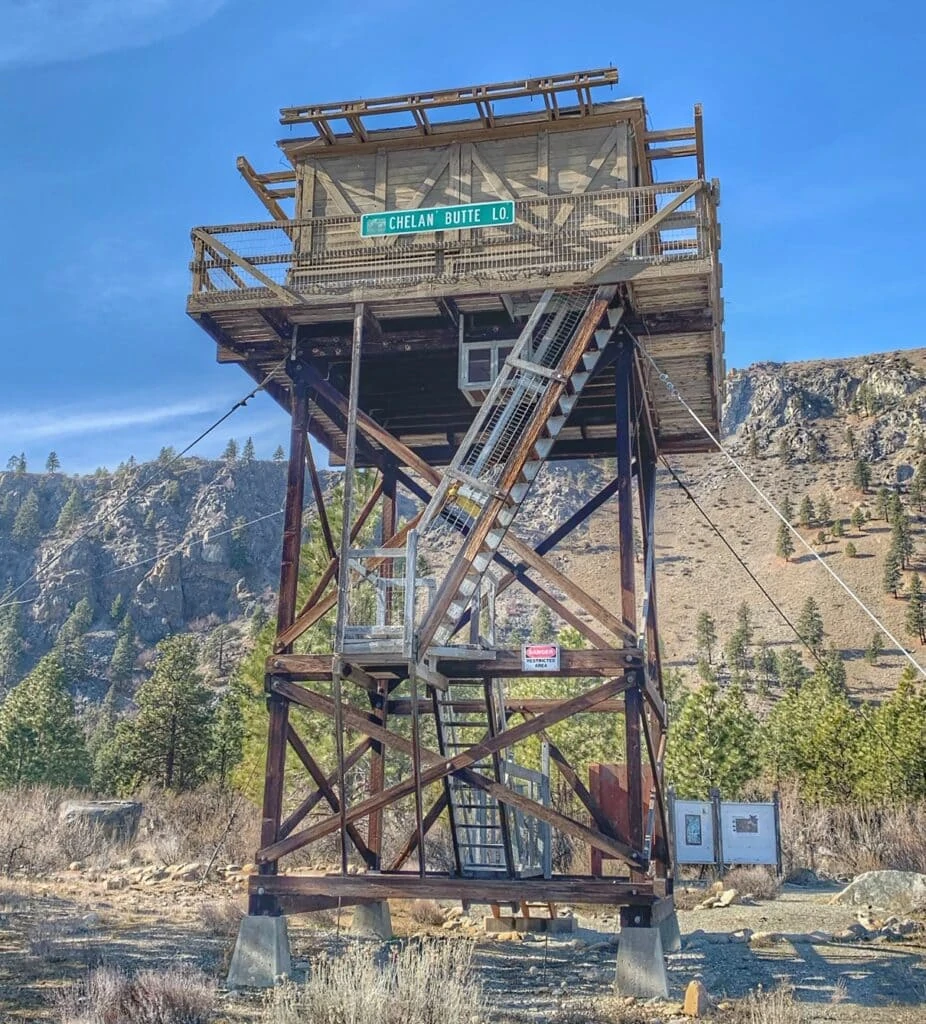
x=50, y=934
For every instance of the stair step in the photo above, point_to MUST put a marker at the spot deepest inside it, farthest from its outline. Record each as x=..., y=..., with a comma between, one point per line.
x=567, y=403
x=494, y=538
x=482, y=561
x=579, y=380
x=542, y=447
x=589, y=359
x=531, y=468
x=614, y=315
x=555, y=424
x=518, y=492
x=506, y=516
x=602, y=337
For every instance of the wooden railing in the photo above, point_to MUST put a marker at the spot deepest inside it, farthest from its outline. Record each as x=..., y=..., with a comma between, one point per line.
x=297, y=261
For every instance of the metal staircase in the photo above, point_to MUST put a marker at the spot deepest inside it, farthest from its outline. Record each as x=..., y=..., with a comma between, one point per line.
x=515, y=429
x=479, y=823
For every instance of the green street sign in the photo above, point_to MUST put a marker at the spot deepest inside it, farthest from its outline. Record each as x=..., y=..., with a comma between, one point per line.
x=437, y=218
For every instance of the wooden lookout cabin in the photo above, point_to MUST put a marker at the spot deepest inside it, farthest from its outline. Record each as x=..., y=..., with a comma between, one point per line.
x=452, y=288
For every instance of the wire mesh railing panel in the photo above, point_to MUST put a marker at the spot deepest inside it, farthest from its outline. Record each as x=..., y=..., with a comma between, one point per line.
x=326, y=256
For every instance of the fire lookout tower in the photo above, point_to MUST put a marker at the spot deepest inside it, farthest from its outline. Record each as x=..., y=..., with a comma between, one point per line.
x=452, y=289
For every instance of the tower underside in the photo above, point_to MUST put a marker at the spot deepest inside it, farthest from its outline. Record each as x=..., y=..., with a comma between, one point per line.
x=455, y=361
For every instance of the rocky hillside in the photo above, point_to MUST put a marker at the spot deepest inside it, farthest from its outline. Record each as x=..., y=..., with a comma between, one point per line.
x=191, y=550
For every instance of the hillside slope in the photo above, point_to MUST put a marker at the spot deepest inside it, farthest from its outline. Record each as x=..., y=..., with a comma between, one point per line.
x=180, y=557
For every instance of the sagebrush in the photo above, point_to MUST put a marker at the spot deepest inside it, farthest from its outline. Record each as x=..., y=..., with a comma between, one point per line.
x=430, y=982
x=180, y=995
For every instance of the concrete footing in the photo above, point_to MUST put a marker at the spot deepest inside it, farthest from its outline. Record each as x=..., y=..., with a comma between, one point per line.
x=641, y=967
x=372, y=921
x=261, y=957
x=670, y=934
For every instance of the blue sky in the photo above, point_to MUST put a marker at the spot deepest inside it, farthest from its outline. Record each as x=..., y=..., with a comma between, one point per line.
x=121, y=121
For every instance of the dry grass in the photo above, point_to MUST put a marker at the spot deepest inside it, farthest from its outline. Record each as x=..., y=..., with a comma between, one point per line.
x=757, y=882
x=427, y=912
x=34, y=841
x=850, y=839
x=688, y=899
x=775, y=1007
x=184, y=827
x=221, y=918
x=179, y=995
x=426, y=983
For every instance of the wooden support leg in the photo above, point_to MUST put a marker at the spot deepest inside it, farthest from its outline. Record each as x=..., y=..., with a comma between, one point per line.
x=377, y=776
x=633, y=699
x=278, y=706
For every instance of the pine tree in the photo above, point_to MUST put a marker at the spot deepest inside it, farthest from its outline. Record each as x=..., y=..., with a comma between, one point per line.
x=52, y=463
x=791, y=671
x=883, y=503
x=767, y=664
x=810, y=624
x=238, y=557
x=713, y=743
x=839, y=529
x=11, y=640
x=122, y=662
x=215, y=647
x=21, y=465
x=126, y=627
x=70, y=512
x=915, y=619
x=902, y=541
x=226, y=736
x=811, y=739
x=737, y=650
x=706, y=636
x=70, y=645
x=247, y=452
x=834, y=668
x=917, y=492
x=230, y=454
x=857, y=519
x=894, y=759
x=279, y=455
x=26, y=524
x=861, y=475
x=874, y=649
x=259, y=619
x=850, y=440
x=787, y=509
x=805, y=513
x=784, y=544
x=892, y=575
x=170, y=734
x=851, y=551
x=542, y=628
x=117, y=608
x=824, y=511
x=753, y=444
x=41, y=741
x=784, y=450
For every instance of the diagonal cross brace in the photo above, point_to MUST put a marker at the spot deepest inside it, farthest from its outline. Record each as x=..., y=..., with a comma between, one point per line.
x=440, y=767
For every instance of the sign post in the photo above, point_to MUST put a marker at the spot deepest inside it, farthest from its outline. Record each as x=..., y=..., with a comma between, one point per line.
x=437, y=218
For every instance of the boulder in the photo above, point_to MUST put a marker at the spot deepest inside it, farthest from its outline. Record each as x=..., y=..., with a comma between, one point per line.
x=697, y=1001
x=901, y=891
x=116, y=819
x=727, y=898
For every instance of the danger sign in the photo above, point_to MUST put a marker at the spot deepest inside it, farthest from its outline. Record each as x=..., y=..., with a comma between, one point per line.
x=540, y=658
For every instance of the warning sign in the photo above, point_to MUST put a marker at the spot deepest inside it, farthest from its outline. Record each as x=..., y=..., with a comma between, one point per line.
x=540, y=658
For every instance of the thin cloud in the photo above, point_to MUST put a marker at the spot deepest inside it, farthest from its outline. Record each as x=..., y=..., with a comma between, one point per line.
x=21, y=428
x=48, y=31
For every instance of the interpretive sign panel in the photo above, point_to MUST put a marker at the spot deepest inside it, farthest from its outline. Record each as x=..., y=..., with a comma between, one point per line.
x=437, y=218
